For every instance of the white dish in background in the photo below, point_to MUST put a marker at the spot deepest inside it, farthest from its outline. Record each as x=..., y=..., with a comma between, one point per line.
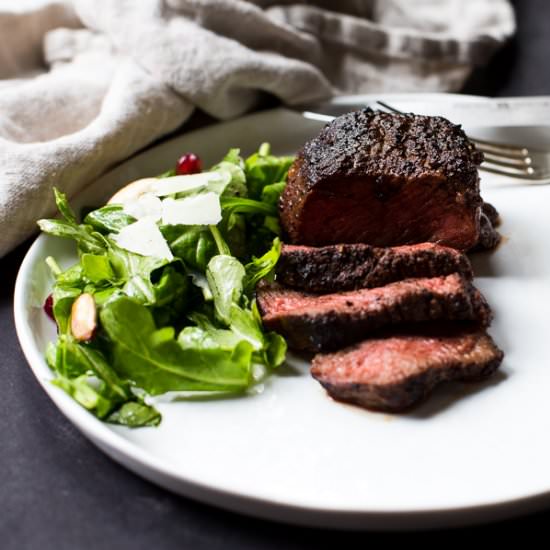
x=468, y=454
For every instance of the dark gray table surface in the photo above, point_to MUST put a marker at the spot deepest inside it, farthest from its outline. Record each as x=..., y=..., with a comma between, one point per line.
x=58, y=491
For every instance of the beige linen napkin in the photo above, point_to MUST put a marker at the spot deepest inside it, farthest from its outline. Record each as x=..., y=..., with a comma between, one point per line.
x=84, y=85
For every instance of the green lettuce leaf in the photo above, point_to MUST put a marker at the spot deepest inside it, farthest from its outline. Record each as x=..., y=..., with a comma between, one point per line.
x=108, y=219
x=161, y=364
x=263, y=169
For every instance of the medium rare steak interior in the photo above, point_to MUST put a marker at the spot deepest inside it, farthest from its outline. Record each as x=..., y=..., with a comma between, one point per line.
x=384, y=179
x=326, y=322
x=395, y=372
x=351, y=266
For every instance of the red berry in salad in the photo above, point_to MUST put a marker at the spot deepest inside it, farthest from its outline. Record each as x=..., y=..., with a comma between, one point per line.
x=48, y=307
x=189, y=163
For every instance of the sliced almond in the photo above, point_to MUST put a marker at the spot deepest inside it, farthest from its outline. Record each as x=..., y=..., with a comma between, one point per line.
x=83, y=317
x=133, y=191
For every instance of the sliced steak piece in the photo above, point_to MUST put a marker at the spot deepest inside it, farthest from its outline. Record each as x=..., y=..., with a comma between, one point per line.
x=351, y=266
x=384, y=179
x=393, y=373
x=327, y=322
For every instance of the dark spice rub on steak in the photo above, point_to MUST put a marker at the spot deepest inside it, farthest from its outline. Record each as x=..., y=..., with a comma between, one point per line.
x=351, y=266
x=489, y=237
x=491, y=213
x=393, y=373
x=384, y=179
x=313, y=322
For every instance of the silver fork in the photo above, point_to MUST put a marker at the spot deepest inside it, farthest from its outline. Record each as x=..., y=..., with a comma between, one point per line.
x=514, y=161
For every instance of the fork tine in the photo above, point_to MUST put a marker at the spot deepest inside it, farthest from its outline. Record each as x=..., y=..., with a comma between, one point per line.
x=389, y=107
x=512, y=162
x=504, y=148
x=513, y=173
x=503, y=153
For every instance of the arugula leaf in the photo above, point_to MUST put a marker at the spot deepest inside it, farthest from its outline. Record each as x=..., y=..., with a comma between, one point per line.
x=171, y=286
x=96, y=267
x=233, y=164
x=71, y=277
x=128, y=264
x=195, y=245
x=166, y=365
x=233, y=205
x=74, y=359
x=225, y=278
x=134, y=270
x=134, y=415
x=246, y=327
x=276, y=349
x=108, y=219
x=237, y=181
x=85, y=375
x=168, y=173
x=63, y=298
x=272, y=192
x=63, y=206
x=261, y=267
x=264, y=169
x=211, y=338
x=234, y=157
x=82, y=234
x=81, y=390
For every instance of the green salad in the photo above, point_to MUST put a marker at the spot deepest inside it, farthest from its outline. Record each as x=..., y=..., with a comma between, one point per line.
x=162, y=296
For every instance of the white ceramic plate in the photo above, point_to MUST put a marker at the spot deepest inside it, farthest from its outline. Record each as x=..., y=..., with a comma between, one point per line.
x=470, y=453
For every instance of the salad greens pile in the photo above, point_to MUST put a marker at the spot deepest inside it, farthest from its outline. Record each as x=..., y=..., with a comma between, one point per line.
x=185, y=320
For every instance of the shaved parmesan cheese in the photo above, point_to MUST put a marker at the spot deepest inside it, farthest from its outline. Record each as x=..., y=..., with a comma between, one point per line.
x=202, y=209
x=144, y=237
x=191, y=182
x=161, y=187
x=145, y=206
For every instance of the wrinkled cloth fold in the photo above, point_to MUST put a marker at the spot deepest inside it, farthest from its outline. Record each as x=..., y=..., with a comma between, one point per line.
x=86, y=84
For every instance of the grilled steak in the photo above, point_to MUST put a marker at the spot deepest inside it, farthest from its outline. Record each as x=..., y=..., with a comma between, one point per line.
x=330, y=321
x=351, y=266
x=492, y=213
x=489, y=237
x=386, y=180
x=393, y=373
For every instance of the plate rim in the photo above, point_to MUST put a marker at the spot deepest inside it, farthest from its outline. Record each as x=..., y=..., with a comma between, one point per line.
x=143, y=463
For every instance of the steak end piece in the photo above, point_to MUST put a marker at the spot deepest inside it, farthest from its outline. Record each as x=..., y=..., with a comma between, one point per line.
x=384, y=179
x=326, y=322
x=351, y=266
x=489, y=237
x=492, y=213
x=392, y=374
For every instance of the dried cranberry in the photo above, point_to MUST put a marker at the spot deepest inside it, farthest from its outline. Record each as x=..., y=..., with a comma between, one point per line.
x=188, y=164
x=48, y=307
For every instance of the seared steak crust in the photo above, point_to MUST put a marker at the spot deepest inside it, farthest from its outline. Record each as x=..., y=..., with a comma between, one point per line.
x=489, y=237
x=384, y=179
x=331, y=321
x=492, y=213
x=351, y=266
x=393, y=373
